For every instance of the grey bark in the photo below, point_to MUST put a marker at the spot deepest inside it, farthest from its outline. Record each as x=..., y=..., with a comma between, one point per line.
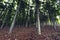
x=37, y=17
x=28, y=13
x=4, y=19
x=12, y=25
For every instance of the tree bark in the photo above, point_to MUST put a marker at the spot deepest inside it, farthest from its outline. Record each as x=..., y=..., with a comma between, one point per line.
x=28, y=15
x=4, y=19
x=37, y=17
x=12, y=25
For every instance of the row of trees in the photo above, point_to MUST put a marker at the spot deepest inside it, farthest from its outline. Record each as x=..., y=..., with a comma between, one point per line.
x=27, y=12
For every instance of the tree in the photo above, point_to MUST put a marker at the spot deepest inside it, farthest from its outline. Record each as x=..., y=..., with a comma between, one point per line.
x=13, y=22
x=4, y=20
x=37, y=17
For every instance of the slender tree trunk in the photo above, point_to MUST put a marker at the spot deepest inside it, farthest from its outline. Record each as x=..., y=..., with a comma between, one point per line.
x=38, y=24
x=37, y=17
x=4, y=19
x=12, y=25
x=28, y=13
x=27, y=20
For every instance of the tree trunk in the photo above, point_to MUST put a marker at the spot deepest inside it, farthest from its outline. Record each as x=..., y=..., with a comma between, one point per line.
x=4, y=19
x=27, y=20
x=38, y=24
x=37, y=17
x=28, y=14
x=12, y=25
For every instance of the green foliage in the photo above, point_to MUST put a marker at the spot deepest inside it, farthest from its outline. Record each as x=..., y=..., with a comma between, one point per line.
x=50, y=9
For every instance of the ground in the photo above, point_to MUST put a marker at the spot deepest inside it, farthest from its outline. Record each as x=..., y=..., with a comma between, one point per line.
x=30, y=33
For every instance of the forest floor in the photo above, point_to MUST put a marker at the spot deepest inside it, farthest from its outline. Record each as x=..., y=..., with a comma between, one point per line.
x=30, y=33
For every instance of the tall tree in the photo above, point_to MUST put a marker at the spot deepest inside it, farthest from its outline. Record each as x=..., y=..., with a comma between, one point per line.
x=28, y=13
x=37, y=17
x=14, y=19
x=4, y=20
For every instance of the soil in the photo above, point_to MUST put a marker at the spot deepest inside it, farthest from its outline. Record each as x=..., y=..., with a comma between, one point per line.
x=29, y=33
